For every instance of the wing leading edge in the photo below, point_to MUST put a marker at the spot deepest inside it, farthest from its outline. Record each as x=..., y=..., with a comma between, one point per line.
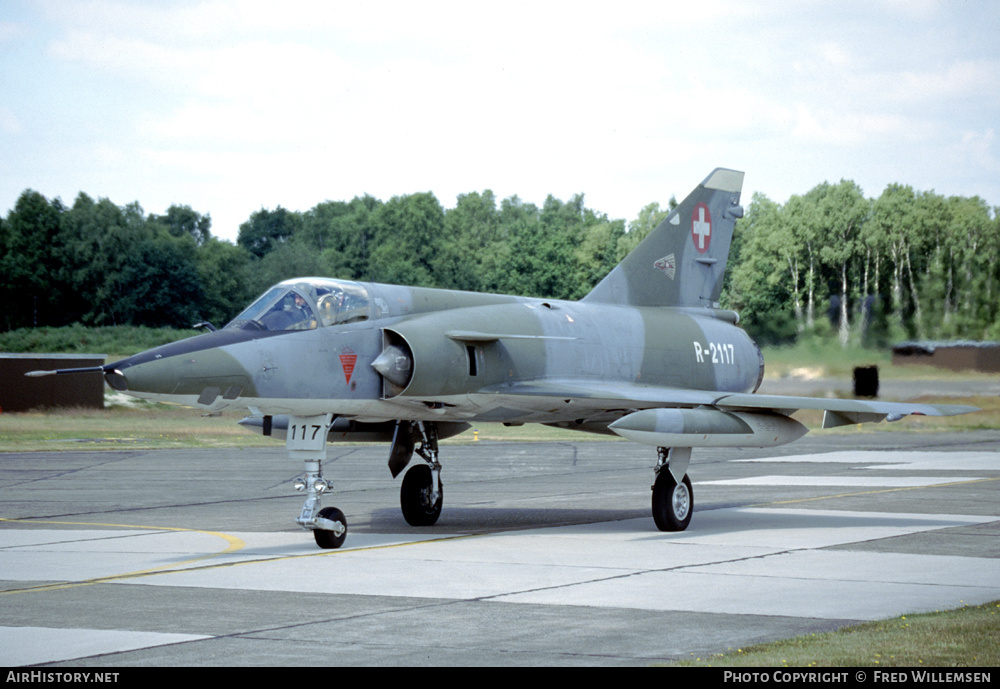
x=654, y=395
x=841, y=412
x=676, y=416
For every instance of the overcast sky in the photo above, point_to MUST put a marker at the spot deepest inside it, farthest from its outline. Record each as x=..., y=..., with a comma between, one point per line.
x=231, y=106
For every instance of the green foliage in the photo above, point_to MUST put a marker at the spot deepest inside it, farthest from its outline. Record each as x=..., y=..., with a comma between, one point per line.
x=343, y=233
x=223, y=271
x=476, y=241
x=266, y=230
x=762, y=285
x=159, y=286
x=183, y=221
x=649, y=218
x=905, y=264
x=29, y=263
x=101, y=264
x=123, y=340
x=408, y=238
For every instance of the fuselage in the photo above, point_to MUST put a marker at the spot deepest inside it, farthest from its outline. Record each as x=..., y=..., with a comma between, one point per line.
x=445, y=355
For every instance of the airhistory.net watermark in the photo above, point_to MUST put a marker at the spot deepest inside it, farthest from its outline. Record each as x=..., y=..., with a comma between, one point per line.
x=32, y=676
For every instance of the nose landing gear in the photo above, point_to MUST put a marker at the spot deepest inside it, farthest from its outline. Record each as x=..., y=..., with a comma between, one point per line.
x=306, y=441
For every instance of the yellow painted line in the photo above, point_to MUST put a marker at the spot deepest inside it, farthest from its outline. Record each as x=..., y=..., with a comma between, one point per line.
x=322, y=553
x=235, y=545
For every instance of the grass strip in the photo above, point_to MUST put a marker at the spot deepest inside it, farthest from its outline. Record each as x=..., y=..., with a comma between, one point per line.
x=966, y=637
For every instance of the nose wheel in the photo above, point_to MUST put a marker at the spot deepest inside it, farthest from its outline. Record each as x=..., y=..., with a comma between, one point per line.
x=334, y=536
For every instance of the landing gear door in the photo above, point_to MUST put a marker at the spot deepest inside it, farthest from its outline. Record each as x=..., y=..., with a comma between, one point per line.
x=402, y=448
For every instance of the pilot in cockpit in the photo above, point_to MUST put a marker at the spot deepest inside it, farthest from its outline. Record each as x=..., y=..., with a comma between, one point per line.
x=290, y=313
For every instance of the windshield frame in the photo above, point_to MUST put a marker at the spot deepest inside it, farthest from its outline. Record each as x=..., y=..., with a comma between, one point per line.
x=327, y=302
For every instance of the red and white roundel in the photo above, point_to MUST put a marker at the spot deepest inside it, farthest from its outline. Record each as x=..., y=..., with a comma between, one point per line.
x=701, y=228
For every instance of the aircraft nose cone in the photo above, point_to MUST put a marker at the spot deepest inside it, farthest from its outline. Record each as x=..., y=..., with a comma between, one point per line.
x=136, y=375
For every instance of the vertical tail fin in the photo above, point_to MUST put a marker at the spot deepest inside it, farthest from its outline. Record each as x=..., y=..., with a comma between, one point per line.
x=681, y=262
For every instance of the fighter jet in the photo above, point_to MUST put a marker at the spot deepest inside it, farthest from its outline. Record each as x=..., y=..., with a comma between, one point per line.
x=647, y=355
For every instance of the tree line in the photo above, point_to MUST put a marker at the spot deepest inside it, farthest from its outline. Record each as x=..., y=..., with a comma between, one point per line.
x=907, y=264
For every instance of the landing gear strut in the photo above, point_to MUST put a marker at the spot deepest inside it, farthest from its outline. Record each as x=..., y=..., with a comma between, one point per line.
x=306, y=441
x=673, y=498
x=421, y=494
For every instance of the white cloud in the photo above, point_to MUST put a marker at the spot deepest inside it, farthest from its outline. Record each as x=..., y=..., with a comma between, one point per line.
x=229, y=106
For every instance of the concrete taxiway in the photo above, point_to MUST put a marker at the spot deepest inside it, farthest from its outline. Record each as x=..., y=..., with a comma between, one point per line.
x=545, y=553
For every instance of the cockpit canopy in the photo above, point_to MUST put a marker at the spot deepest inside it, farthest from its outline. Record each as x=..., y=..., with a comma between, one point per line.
x=306, y=303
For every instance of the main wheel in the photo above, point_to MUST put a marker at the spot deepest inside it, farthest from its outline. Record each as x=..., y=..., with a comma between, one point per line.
x=415, y=497
x=673, y=502
x=328, y=539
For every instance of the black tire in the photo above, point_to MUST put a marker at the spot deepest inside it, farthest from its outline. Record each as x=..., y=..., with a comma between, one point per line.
x=327, y=539
x=673, y=503
x=414, y=497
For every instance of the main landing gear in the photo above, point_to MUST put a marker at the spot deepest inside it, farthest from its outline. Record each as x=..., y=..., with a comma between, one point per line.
x=673, y=499
x=421, y=494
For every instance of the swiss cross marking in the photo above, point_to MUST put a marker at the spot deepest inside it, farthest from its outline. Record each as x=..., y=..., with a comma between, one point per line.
x=701, y=228
x=347, y=360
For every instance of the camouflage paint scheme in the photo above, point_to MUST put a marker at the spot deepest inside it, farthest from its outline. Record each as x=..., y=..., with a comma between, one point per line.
x=525, y=349
x=647, y=355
